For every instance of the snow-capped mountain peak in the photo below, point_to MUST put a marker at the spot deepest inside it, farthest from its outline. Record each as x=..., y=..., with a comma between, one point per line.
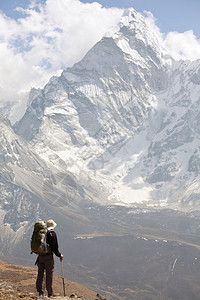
x=134, y=34
x=122, y=97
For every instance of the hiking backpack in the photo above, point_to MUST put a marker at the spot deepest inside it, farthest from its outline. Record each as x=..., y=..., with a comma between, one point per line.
x=38, y=240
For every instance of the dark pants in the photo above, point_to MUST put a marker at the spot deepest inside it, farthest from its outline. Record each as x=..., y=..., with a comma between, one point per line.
x=45, y=262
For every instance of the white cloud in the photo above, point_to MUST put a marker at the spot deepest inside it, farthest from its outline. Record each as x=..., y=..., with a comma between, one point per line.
x=183, y=45
x=46, y=39
x=179, y=45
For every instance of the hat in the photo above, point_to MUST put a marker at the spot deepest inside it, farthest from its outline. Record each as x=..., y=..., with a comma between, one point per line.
x=51, y=223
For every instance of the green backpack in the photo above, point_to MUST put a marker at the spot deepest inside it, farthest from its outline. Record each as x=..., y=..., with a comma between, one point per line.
x=38, y=240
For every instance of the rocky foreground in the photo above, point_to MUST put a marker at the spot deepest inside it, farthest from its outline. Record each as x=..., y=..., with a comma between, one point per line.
x=18, y=282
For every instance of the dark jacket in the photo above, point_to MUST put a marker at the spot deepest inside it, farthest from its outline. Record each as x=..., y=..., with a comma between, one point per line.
x=52, y=241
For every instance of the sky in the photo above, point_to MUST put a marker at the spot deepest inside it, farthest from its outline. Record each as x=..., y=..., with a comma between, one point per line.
x=40, y=38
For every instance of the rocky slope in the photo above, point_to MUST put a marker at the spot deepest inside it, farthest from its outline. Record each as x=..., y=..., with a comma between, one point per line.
x=18, y=282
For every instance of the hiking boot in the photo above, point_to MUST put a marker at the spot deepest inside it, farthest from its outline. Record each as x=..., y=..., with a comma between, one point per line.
x=54, y=295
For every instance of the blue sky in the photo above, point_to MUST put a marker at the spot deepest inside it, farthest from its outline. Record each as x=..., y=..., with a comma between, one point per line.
x=43, y=37
x=171, y=15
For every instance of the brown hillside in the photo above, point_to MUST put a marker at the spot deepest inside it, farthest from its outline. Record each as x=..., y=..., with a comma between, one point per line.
x=24, y=279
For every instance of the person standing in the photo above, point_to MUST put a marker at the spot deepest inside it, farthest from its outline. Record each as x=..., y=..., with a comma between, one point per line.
x=46, y=261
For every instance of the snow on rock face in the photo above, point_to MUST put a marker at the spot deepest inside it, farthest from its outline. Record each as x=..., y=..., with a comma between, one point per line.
x=125, y=118
x=140, y=36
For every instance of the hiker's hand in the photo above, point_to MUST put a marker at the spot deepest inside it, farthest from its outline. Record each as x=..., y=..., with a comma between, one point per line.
x=61, y=257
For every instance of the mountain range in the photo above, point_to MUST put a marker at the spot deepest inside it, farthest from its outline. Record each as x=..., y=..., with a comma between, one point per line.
x=116, y=134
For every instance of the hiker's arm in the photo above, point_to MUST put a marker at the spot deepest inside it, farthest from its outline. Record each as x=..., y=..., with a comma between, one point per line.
x=54, y=244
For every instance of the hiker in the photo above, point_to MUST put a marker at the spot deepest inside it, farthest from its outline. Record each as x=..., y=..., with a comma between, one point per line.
x=46, y=261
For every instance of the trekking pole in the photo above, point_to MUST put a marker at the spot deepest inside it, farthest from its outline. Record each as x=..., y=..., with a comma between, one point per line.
x=63, y=279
